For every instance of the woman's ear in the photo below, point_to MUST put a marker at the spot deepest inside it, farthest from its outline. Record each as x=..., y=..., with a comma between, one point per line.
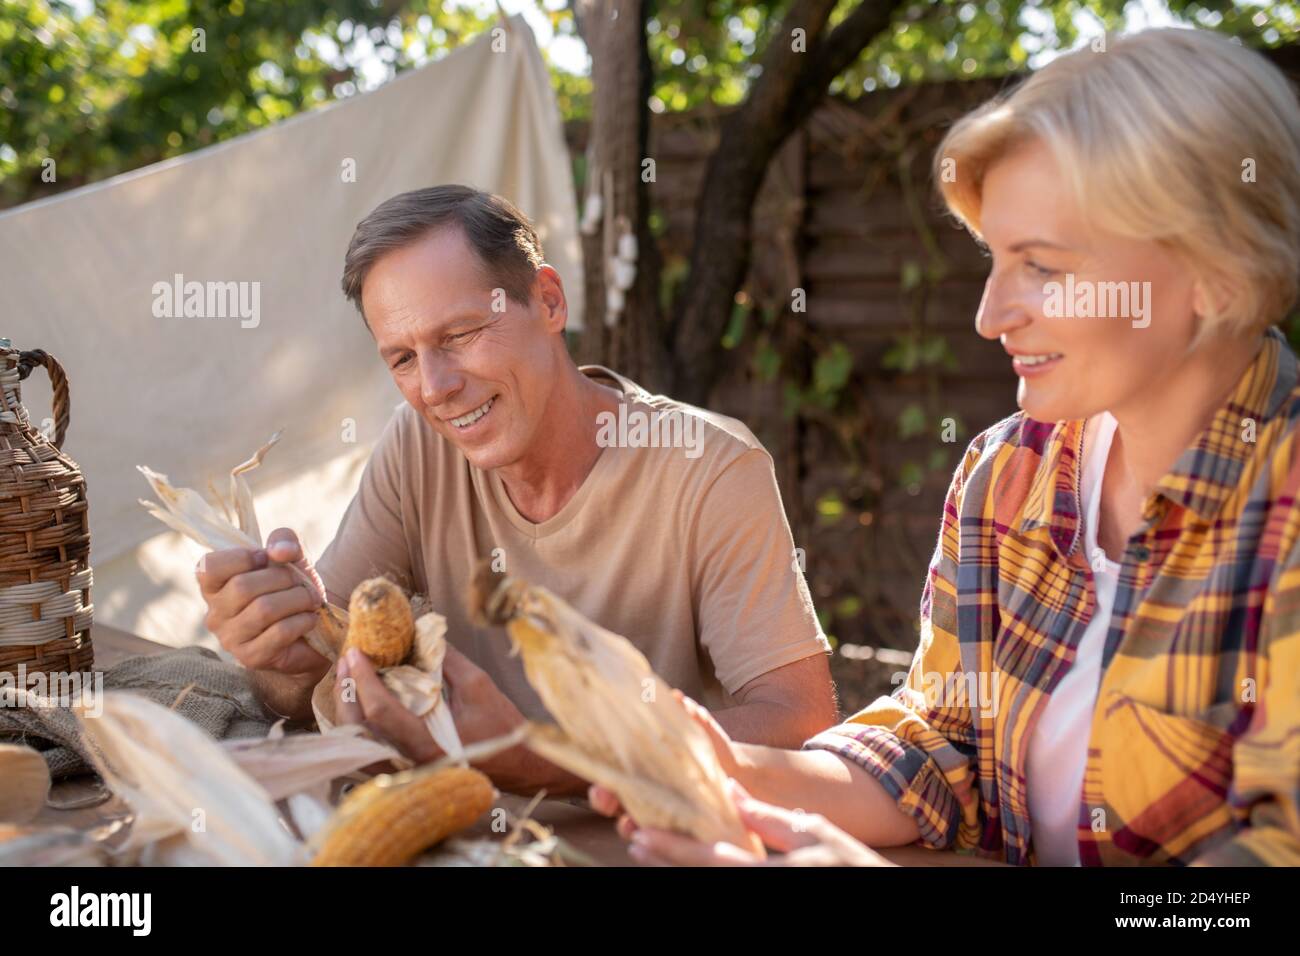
x=550, y=292
x=1210, y=300
x=1203, y=315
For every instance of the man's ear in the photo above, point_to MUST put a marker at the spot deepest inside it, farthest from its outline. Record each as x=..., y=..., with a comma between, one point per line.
x=549, y=288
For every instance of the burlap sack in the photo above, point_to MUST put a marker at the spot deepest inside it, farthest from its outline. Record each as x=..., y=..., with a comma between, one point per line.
x=193, y=681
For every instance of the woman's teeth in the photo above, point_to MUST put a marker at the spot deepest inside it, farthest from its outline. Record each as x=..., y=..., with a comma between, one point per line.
x=1037, y=359
x=469, y=419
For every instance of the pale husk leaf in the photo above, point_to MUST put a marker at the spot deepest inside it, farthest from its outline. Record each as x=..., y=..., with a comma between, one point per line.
x=242, y=495
x=297, y=763
x=620, y=725
x=174, y=777
x=48, y=846
x=186, y=511
x=311, y=811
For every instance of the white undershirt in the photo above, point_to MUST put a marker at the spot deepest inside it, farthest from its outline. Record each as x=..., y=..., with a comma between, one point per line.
x=1058, y=746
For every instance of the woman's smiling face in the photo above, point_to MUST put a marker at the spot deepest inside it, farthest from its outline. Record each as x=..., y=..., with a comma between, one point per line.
x=1046, y=259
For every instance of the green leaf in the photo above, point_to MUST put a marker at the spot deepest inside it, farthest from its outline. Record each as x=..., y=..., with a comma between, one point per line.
x=830, y=507
x=910, y=476
x=832, y=369
x=934, y=351
x=911, y=421
x=903, y=355
x=767, y=361
x=911, y=277
x=735, y=331
x=791, y=401
x=848, y=607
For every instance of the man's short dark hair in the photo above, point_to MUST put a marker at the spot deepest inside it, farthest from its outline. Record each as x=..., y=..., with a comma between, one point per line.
x=500, y=235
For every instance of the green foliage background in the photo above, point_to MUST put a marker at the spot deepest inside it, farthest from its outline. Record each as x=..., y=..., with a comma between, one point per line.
x=104, y=87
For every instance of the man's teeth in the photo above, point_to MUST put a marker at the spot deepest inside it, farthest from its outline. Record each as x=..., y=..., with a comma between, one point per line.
x=1037, y=359
x=466, y=420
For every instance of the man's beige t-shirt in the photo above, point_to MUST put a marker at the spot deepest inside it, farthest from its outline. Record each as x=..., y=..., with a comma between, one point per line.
x=685, y=551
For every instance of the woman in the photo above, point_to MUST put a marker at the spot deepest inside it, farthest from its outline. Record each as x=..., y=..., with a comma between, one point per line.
x=1109, y=663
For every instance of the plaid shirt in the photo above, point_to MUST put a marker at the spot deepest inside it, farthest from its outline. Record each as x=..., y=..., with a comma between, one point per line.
x=1194, y=748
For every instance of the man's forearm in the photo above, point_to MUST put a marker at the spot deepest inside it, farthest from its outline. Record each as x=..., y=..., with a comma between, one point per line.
x=773, y=724
x=817, y=781
x=283, y=695
x=783, y=707
x=519, y=770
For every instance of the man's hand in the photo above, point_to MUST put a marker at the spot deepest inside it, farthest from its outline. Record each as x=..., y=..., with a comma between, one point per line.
x=259, y=610
x=362, y=698
x=479, y=709
x=803, y=840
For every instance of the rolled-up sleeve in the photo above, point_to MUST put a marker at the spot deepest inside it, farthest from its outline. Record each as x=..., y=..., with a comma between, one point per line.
x=754, y=610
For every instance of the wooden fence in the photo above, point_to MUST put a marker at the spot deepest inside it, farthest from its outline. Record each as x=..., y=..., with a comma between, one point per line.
x=849, y=215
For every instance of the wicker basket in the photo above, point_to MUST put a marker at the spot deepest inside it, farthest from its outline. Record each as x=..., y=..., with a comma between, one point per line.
x=45, y=576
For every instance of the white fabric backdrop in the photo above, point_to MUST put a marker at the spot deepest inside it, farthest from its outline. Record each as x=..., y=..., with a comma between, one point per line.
x=191, y=397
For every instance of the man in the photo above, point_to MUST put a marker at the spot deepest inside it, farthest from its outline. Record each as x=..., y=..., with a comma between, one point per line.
x=505, y=449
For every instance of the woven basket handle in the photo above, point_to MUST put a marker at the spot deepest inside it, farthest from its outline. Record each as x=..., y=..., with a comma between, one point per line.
x=58, y=380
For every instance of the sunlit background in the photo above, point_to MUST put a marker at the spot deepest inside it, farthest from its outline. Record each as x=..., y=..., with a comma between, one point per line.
x=111, y=86
x=848, y=396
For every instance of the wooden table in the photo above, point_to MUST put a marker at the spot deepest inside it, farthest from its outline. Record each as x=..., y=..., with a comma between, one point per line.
x=570, y=818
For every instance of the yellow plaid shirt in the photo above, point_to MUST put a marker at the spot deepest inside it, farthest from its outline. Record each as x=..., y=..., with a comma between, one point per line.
x=1194, y=749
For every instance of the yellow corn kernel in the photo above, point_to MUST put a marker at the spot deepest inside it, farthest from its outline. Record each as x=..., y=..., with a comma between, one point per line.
x=390, y=820
x=380, y=622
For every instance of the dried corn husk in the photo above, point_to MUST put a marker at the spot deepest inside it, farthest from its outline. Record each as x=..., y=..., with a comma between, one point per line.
x=191, y=802
x=48, y=846
x=186, y=511
x=301, y=763
x=417, y=684
x=529, y=843
x=310, y=811
x=619, y=724
x=24, y=783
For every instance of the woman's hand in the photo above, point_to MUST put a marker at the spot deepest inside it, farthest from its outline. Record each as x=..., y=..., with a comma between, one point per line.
x=723, y=745
x=802, y=839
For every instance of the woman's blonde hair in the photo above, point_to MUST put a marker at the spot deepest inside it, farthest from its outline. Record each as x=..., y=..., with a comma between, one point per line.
x=1179, y=136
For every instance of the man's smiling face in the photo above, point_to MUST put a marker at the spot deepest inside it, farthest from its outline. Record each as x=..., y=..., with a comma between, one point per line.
x=476, y=364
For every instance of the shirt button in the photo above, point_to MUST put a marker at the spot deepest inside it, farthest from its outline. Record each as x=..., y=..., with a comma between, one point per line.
x=1142, y=553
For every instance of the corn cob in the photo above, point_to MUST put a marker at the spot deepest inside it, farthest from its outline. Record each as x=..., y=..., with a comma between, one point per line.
x=390, y=820
x=380, y=622
x=24, y=783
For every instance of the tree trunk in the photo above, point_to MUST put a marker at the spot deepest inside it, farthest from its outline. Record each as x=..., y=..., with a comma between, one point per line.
x=631, y=337
x=791, y=85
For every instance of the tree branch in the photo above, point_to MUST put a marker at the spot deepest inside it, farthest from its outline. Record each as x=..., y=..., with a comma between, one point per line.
x=792, y=83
